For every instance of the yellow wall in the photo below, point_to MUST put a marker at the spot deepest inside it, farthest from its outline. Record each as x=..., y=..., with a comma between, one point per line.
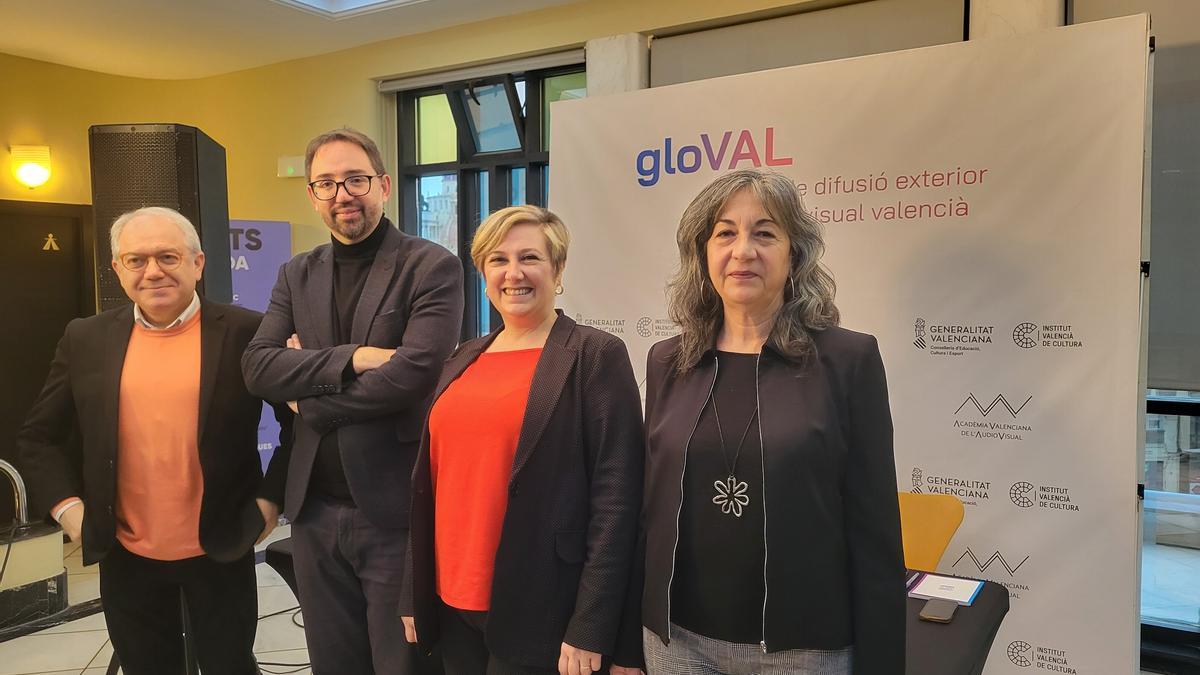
x=263, y=113
x=45, y=104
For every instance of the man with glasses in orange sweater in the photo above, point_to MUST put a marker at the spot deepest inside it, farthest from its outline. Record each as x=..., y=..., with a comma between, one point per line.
x=167, y=493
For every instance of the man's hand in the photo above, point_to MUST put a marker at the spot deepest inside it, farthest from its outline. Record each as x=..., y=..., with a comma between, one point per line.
x=370, y=358
x=576, y=661
x=71, y=521
x=410, y=629
x=293, y=343
x=622, y=670
x=270, y=514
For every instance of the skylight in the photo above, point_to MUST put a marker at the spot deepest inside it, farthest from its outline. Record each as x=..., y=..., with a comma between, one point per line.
x=344, y=9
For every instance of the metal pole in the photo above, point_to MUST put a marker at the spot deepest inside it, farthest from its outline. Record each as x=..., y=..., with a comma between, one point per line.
x=20, y=498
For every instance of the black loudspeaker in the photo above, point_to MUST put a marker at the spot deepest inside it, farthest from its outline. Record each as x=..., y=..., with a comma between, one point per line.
x=172, y=165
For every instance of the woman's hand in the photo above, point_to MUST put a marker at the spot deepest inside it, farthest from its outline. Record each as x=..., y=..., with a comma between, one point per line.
x=410, y=629
x=576, y=661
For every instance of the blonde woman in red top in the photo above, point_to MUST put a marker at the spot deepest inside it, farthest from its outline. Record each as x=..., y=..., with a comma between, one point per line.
x=528, y=484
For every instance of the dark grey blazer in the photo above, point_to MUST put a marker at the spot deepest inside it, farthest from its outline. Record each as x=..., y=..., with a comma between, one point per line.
x=79, y=404
x=567, y=542
x=413, y=302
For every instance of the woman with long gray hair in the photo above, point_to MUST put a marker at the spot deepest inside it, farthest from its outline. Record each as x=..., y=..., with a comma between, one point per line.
x=772, y=530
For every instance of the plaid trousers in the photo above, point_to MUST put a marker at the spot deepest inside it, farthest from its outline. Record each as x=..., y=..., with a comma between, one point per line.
x=693, y=654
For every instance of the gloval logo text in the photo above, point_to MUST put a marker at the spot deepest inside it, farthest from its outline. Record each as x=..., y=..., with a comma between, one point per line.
x=717, y=152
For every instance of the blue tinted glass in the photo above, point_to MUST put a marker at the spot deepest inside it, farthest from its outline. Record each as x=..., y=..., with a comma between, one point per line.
x=437, y=199
x=491, y=119
x=518, y=185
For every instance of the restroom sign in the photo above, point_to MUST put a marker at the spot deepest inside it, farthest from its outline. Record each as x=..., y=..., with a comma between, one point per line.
x=51, y=243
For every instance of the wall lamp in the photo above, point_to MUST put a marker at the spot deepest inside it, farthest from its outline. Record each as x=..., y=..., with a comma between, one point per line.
x=31, y=164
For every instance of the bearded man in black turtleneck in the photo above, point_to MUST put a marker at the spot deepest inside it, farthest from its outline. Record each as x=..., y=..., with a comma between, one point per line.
x=354, y=341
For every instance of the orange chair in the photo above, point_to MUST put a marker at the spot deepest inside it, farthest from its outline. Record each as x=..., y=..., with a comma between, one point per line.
x=927, y=524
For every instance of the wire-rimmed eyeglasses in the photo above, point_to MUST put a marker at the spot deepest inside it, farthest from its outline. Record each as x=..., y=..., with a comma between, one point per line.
x=136, y=262
x=356, y=186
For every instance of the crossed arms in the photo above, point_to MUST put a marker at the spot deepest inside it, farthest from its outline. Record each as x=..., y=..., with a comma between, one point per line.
x=349, y=384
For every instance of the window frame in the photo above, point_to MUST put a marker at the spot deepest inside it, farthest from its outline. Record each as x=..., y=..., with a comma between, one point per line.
x=462, y=118
x=471, y=163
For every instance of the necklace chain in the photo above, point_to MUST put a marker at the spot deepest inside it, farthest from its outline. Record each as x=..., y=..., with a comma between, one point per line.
x=732, y=468
x=732, y=495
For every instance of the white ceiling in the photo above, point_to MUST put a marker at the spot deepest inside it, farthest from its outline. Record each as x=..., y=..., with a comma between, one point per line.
x=181, y=39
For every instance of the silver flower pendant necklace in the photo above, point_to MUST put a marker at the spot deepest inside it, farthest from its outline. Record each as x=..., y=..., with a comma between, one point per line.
x=732, y=495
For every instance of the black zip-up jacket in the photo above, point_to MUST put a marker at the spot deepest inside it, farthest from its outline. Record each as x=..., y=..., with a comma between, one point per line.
x=834, y=571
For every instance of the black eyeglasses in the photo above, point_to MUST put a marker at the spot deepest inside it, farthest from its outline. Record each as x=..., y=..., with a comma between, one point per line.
x=355, y=186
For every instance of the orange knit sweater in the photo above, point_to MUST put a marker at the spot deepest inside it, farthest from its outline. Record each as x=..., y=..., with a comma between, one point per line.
x=159, y=482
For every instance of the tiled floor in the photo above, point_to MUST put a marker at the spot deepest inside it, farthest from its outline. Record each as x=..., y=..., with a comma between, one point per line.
x=82, y=647
x=1170, y=590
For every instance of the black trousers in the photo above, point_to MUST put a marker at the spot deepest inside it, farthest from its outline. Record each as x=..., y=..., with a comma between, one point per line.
x=349, y=572
x=142, y=610
x=464, y=651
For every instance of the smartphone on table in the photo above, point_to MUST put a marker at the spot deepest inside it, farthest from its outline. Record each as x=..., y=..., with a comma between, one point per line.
x=938, y=610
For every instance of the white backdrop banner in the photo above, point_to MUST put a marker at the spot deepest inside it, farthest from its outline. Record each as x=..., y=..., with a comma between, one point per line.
x=983, y=210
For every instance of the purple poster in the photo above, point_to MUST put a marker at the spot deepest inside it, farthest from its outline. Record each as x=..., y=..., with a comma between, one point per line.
x=256, y=250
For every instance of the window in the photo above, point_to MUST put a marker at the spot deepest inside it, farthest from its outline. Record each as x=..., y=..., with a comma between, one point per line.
x=343, y=9
x=470, y=147
x=1171, y=529
x=1170, y=583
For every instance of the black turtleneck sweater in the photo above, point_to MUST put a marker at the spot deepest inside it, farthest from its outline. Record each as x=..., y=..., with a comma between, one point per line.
x=351, y=265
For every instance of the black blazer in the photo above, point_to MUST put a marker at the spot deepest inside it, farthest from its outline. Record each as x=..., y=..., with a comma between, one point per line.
x=412, y=302
x=834, y=565
x=566, y=545
x=68, y=445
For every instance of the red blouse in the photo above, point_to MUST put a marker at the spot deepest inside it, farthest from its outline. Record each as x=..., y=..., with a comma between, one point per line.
x=473, y=432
